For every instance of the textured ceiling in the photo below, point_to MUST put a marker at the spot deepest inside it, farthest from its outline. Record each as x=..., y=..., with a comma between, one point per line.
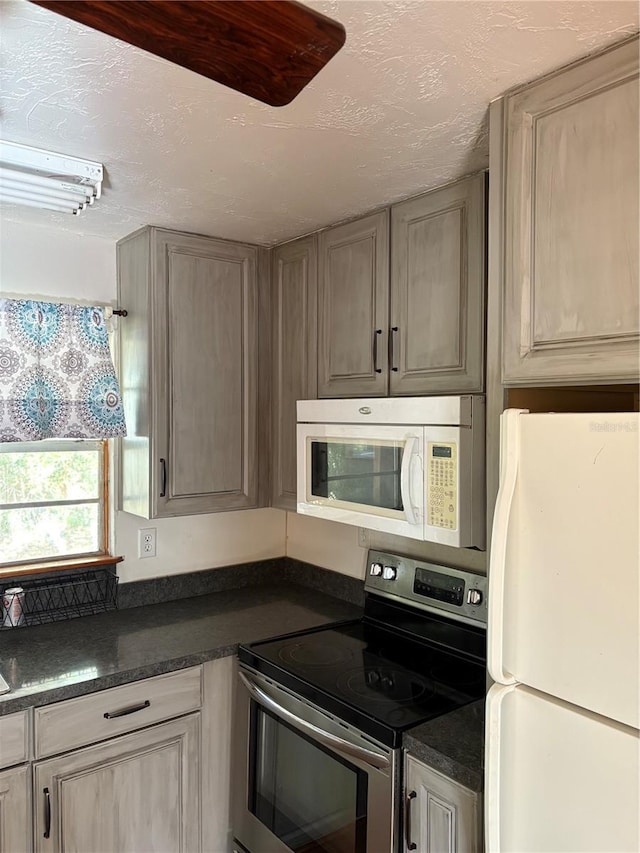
x=401, y=109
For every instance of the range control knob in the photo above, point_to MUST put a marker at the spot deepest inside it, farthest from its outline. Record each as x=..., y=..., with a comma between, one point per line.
x=376, y=569
x=389, y=573
x=474, y=596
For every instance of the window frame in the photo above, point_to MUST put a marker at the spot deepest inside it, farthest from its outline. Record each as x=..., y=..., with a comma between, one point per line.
x=51, y=562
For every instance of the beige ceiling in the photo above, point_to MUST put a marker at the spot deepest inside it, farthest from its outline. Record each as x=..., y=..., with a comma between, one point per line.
x=401, y=109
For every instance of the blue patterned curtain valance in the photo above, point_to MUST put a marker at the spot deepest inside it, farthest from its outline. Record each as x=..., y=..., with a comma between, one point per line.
x=57, y=378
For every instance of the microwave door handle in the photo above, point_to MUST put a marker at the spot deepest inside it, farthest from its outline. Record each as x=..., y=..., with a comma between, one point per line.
x=411, y=442
x=329, y=740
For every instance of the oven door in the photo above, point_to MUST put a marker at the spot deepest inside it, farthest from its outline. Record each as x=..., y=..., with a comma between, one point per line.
x=370, y=476
x=305, y=783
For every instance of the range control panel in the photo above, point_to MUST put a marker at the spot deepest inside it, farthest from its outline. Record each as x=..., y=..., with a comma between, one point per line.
x=438, y=586
x=429, y=585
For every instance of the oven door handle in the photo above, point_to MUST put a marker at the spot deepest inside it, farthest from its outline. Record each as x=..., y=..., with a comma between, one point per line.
x=329, y=740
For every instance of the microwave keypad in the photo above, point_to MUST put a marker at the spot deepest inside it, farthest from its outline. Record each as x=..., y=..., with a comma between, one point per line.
x=442, y=499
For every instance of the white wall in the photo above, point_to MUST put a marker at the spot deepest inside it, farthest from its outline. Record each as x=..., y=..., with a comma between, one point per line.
x=197, y=542
x=325, y=543
x=37, y=261
x=336, y=546
x=40, y=261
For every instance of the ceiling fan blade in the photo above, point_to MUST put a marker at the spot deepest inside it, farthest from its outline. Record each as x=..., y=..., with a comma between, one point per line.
x=267, y=49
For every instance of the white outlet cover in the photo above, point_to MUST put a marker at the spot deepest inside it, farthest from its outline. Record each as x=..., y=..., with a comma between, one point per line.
x=146, y=542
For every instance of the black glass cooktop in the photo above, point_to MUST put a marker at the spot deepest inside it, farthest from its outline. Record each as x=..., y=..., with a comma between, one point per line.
x=376, y=677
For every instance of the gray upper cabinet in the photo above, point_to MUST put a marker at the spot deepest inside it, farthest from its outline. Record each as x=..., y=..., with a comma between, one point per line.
x=294, y=356
x=438, y=290
x=571, y=287
x=405, y=316
x=189, y=355
x=353, y=308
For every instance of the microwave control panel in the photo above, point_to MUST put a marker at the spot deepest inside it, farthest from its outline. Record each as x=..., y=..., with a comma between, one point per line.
x=442, y=484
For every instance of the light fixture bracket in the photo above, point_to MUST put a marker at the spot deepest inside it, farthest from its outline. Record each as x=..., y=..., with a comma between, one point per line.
x=37, y=178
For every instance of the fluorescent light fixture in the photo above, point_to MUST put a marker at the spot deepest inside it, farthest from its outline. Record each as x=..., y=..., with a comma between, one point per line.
x=37, y=178
x=9, y=187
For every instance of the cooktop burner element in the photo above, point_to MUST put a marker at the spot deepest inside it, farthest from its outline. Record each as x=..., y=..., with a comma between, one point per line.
x=312, y=654
x=411, y=657
x=384, y=684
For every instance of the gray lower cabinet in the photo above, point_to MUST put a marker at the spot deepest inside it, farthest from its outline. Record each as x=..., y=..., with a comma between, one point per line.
x=15, y=783
x=15, y=810
x=438, y=291
x=442, y=816
x=145, y=766
x=353, y=308
x=189, y=359
x=294, y=356
x=132, y=793
x=405, y=316
x=570, y=220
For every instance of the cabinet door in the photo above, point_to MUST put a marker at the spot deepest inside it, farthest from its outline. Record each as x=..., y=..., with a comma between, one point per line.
x=204, y=375
x=134, y=793
x=571, y=224
x=189, y=353
x=438, y=291
x=134, y=295
x=353, y=306
x=294, y=311
x=442, y=816
x=15, y=810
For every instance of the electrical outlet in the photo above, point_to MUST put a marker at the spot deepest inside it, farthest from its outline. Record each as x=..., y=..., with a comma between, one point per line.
x=147, y=542
x=363, y=537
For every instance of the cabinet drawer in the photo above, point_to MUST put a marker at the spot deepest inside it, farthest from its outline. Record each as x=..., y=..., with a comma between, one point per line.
x=14, y=739
x=88, y=719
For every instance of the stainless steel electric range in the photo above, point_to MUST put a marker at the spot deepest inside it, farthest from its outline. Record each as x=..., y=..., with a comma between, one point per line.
x=320, y=713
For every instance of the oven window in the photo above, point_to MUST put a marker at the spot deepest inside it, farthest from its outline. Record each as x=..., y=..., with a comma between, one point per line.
x=358, y=472
x=311, y=799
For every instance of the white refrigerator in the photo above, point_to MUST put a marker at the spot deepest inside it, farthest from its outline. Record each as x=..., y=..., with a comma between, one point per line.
x=562, y=749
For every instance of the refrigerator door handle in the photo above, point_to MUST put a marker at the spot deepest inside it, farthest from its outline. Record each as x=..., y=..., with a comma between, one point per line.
x=509, y=452
x=493, y=740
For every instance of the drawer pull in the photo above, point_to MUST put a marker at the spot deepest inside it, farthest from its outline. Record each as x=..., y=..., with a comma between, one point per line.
x=123, y=712
x=47, y=812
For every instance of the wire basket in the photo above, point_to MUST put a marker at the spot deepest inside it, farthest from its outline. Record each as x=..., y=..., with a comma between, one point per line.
x=55, y=599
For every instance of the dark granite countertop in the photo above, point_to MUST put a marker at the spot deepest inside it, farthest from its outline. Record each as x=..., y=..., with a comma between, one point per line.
x=48, y=663
x=452, y=744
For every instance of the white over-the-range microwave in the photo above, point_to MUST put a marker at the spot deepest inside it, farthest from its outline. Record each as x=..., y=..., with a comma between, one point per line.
x=413, y=466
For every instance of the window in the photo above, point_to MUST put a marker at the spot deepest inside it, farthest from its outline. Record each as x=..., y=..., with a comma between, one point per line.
x=52, y=500
x=59, y=403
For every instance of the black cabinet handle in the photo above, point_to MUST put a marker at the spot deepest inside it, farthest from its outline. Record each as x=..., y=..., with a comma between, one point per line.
x=411, y=845
x=392, y=331
x=123, y=712
x=47, y=812
x=163, y=478
x=375, y=351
